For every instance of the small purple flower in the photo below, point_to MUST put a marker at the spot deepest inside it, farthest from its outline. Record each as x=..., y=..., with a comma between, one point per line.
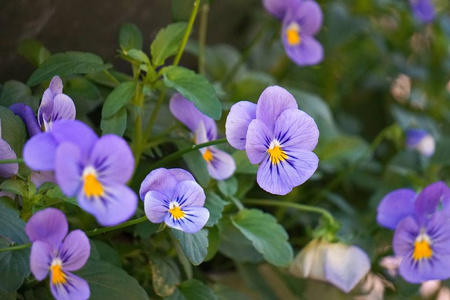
x=277, y=135
x=95, y=169
x=172, y=196
x=59, y=253
x=423, y=10
x=7, y=170
x=421, y=141
x=220, y=164
x=422, y=231
x=300, y=23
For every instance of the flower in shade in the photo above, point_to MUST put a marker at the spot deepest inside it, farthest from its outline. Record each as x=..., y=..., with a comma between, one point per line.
x=220, y=164
x=94, y=169
x=337, y=263
x=172, y=196
x=6, y=152
x=278, y=136
x=58, y=253
x=422, y=231
x=423, y=10
x=421, y=141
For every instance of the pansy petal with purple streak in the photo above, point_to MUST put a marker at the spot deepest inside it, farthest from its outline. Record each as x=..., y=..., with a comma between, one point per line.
x=186, y=112
x=75, y=250
x=222, y=165
x=194, y=220
x=272, y=102
x=259, y=137
x=308, y=52
x=189, y=193
x=56, y=85
x=27, y=115
x=39, y=152
x=296, y=130
x=41, y=258
x=238, y=120
x=76, y=288
x=63, y=108
x=48, y=225
x=156, y=206
x=112, y=158
x=159, y=180
x=7, y=170
x=117, y=205
x=395, y=206
x=429, y=199
x=68, y=168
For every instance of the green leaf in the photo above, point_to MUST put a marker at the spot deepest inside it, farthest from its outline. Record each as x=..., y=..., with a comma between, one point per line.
x=85, y=94
x=107, y=253
x=34, y=52
x=225, y=292
x=14, y=265
x=116, y=124
x=118, y=98
x=16, y=92
x=195, y=162
x=68, y=63
x=213, y=242
x=14, y=186
x=130, y=37
x=145, y=229
x=109, y=282
x=167, y=42
x=228, y=187
x=13, y=130
x=268, y=237
x=139, y=55
x=193, y=289
x=243, y=165
x=215, y=205
x=250, y=85
x=8, y=295
x=194, y=245
x=195, y=88
x=165, y=275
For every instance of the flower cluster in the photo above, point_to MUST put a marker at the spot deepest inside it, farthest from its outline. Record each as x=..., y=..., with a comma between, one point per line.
x=55, y=251
x=220, y=164
x=422, y=230
x=277, y=135
x=302, y=19
x=94, y=169
x=172, y=196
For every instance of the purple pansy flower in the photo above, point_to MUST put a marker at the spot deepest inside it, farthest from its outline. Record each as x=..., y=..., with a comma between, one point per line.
x=422, y=232
x=300, y=23
x=220, y=164
x=421, y=141
x=278, y=8
x=28, y=117
x=277, y=135
x=95, y=169
x=59, y=253
x=172, y=196
x=6, y=152
x=423, y=10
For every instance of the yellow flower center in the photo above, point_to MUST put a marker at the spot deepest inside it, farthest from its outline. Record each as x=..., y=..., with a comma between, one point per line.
x=276, y=153
x=58, y=276
x=175, y=211
x=293, y=34
x=422, y=248
x=92, y=187
x=208, y=156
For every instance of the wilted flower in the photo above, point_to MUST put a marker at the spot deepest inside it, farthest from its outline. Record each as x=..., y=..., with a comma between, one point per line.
x=401, y=88
x=339, y=264
x=172, y=196
x=7, y=170
x=391, y=263
x=421, y=141
x=220, y=164
x=422, y=233
x=423, y=10
x=95, y=169
x=59, y=253
x=277, y=135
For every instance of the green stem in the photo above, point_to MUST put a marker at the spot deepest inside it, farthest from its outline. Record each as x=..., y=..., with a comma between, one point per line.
x=148, y=130
x=182, y=152
x=111, y=77
x=236, y=202
x=98, y=231
x=11, y=161
x=302, y=207
x=15, y=248
x=202, y=38
x=187, y=33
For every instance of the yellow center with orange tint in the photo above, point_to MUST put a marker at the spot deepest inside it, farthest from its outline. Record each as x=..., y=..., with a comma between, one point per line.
x=208, y=156
x=58, y=276
x=175, y=211
x=422, y=248
x=276, y=153
x=293, y=34
x=92, y=186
